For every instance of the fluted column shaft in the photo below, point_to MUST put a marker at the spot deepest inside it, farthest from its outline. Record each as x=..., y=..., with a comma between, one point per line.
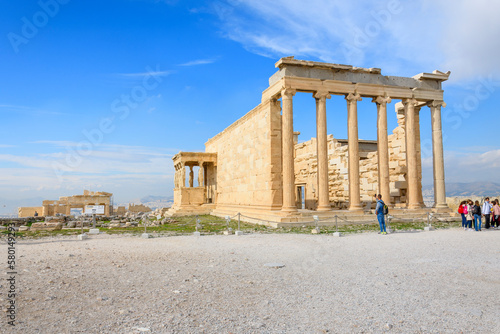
x=322, y=151
x=438, y=155
x=411, y=154
x=419, y=156
x=383, y=149
x=288, y=151
x=353, y=147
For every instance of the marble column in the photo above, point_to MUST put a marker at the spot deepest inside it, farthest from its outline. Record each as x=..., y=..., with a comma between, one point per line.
x=383, y=149
x=191, y=176
x=201, y=177
x=183, y=178
x=419, y=156
x=353, y=147
x=288, y=151
x=437, y=154
x=322, y=151
x=411, y=154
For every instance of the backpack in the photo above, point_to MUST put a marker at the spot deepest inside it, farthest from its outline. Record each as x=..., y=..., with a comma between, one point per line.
x=386, y=209
x=476, y=210
x=460, y=209
x=465, y=210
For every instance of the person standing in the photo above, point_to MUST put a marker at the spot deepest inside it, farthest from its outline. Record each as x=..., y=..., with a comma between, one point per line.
x=379, y=211
x=496, y=214
x=461, y=209
x=486, y=212
x=476, y=211
x=468, y=214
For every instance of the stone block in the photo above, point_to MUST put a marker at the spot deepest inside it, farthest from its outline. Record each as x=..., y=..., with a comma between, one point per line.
x=46, y=226
x=337, y=234
x=94, y=231
x=82, y=236
x=24, y=228
x=401, y=185
x=145, y=236
x=196, y=234
x=238, y=232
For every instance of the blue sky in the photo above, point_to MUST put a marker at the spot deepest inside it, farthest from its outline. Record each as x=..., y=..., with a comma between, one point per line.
x=102, y=94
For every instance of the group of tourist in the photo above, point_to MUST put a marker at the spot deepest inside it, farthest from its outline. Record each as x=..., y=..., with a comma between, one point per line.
x=474, y=212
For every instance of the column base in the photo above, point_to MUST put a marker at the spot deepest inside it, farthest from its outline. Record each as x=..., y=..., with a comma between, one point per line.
x=289, y=209
x=441, y=206
x=414, y=206
x=356, y=207
x=324, y=208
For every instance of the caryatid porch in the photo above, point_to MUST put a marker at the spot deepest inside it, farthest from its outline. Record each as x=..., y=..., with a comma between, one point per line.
x=324, y=80
x=188, y=196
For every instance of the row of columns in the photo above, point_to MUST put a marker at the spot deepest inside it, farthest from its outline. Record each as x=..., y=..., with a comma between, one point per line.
x=412, y=132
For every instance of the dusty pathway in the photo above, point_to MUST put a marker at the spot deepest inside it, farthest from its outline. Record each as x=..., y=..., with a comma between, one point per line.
x=445, y=281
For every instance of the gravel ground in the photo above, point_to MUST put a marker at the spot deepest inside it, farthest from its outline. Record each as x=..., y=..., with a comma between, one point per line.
x=445, y=281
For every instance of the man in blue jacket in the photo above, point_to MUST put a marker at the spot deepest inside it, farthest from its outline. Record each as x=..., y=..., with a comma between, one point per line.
x=379, y=211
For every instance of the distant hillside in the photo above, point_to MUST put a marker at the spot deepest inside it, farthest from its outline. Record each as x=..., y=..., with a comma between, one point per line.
x=465, y=189
x=151, y=201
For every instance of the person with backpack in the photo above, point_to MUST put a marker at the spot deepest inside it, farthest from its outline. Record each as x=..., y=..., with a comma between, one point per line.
x=380, y=210
x=486, y=212
x=461, y=209
x=476, y=211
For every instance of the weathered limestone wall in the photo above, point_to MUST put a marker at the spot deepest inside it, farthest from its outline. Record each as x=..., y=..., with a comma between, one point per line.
x=135, y=208
x=306, y=170
x=29, y=211
x=249, y=160
x=66, y=203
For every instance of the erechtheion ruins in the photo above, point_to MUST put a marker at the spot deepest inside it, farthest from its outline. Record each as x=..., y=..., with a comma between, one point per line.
x=257, y=167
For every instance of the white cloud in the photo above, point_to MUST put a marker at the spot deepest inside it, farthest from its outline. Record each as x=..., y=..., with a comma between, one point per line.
x=131, y=169
x=401, y=37
x=198, y=62
x=466, y=166
x=143, y=74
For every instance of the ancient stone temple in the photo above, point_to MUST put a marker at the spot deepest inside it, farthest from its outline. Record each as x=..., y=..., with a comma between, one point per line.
x=257, y=167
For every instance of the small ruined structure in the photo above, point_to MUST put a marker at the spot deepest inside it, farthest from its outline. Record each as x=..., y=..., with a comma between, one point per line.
x=257, y=167
x=65, y=204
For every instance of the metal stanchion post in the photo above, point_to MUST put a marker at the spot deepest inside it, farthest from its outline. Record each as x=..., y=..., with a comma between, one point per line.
x=316, y=221
x=145, y=235
x=228, y=230
x=428, y=227
x=337, y=233
x=197, y=233
x=239, y=220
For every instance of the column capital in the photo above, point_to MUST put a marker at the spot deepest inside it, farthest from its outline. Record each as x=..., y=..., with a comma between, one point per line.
x=411, y=102
x=288, y=92
x=436, y=103
x=353, y=97
x=321, y=95
x=382, y=99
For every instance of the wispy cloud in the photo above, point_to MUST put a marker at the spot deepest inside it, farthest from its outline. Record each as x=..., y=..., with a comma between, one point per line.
x=398, y=36
x=132, y=169
x=6, y=146
x=143, y=74
x=198, y=62
x=466, y=166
